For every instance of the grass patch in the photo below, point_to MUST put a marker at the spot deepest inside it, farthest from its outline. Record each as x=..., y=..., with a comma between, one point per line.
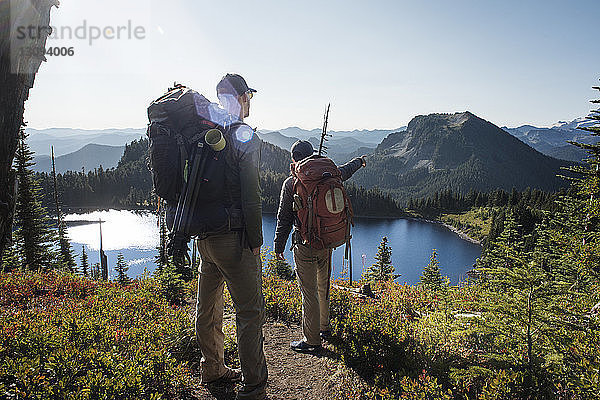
x=475, y=223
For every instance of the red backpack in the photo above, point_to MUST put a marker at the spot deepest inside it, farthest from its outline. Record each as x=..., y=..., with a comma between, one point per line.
x=321, y=202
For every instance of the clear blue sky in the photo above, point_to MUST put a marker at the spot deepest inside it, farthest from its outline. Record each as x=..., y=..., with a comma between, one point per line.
x=380, y=63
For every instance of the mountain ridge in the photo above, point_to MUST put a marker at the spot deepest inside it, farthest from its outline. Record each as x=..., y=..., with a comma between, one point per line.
x=554, y=141
x=69, y=140
x=459, y=151
x=89, y=157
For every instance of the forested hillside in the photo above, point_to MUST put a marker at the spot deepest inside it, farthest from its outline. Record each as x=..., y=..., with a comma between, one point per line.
x=460, y=152
x=482, y=215
x=87, y=158
x=129, y=185
x=438, y=152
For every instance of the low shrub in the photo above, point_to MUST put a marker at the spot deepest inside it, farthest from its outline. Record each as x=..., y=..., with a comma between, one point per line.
x=69, y=337
x=413, y=343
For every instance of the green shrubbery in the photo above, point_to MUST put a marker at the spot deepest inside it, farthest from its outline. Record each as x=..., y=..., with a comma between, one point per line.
x=171, y=284
x=68, y=335
x=275, y=266
x=412, y=342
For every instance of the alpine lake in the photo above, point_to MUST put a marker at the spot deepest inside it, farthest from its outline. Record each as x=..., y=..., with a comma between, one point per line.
x=135, y=234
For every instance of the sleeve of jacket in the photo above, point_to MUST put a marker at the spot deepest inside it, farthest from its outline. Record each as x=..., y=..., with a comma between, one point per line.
x=350, y=168
x=285, y=215
x=248, y=149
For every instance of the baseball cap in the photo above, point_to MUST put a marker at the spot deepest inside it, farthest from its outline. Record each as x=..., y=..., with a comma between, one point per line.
x=233, y=84
x=301, y=149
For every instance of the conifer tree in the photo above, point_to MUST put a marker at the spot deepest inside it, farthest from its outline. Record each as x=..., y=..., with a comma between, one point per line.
x=382, y=269
x=10, y=260
x=34, y=237
x=162, y=258
x=279, y=268
x=587, y=199
x=84, y=262
x=533, y=308
x=172, y=285
x=576, y=223
x=121, y=269
x=66, y=258
x=513, y=300
x=432, y=275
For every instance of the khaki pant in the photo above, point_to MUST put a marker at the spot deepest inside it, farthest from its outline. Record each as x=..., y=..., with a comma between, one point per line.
x=224, y=261
x=313, y=268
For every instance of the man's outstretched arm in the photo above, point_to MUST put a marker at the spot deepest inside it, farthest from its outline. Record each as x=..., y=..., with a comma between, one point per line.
x=351, y=167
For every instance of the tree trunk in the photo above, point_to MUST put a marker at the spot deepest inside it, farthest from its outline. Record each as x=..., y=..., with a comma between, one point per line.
x=16, y=78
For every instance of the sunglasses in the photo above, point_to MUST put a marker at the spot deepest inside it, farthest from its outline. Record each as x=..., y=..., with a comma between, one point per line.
x=250, y=94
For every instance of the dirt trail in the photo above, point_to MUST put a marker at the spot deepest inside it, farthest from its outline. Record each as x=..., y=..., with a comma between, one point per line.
x=291, y=375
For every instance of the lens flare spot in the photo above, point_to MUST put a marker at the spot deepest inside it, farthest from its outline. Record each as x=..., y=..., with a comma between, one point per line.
x=244, y=134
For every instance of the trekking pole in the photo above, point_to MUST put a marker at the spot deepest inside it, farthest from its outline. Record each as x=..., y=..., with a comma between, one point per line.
x=350, y=254
x=322, y=147
x=182, y=214
x=183, y=205
x=194, y=254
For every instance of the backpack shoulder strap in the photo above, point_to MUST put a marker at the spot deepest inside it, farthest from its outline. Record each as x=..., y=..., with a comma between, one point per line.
x=293, y=171
x=230, y=126
x=183, y=155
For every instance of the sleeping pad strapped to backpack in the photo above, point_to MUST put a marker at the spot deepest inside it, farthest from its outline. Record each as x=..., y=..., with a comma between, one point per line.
x=321, y=203
x=187, y=172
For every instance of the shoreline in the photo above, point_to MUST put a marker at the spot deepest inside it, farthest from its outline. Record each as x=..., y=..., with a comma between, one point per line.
x=455, y=230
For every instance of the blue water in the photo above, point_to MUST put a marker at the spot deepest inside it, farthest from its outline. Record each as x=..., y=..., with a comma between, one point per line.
x=135, y=235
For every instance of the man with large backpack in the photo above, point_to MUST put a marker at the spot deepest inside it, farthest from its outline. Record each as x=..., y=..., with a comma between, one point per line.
x=315, y=203
x=219, y=203
x=234, y=257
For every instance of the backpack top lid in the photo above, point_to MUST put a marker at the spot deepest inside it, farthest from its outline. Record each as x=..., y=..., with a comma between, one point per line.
x=183, y=102
x=314, y=168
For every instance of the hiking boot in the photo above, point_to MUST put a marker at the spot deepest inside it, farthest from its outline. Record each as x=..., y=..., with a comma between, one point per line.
x=230, y=376
x=325, y=335
x=252, y=393
x=302, y=347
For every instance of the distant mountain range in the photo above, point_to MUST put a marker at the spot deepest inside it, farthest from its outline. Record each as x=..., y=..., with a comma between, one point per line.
x=553, y=141
x=458, y=151
x=435, y=152
x=574, y=124
x=341, y=146
x=68, y=140
x=344, y=145
x=373, y=137
x=89, y=157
